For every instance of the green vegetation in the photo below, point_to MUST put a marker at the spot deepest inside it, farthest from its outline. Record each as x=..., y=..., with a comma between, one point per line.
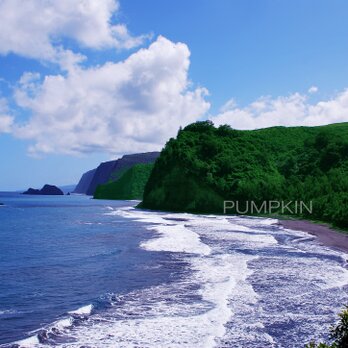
x=129, y=186
x=338, y=335
x=205, y=165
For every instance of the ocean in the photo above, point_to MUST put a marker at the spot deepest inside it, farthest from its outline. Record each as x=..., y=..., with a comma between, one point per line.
x=77, y=272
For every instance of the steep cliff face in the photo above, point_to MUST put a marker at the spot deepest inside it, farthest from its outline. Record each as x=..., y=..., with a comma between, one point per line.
x=111, y=171
x=85, y=181
x=101, y=176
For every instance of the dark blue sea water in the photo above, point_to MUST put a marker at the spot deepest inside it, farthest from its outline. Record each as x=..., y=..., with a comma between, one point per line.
x=59, y=253
x=76, y=272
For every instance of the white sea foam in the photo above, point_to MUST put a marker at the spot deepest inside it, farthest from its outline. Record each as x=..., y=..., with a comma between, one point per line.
x=254, y=239
x=223, y=278
x=85, y=310
x=254, y=221
x=62, y=324
x=57, y=327
x=229, y=231
x=171, y=237
x=267, y=222
x=129, y=212
x=29, y=342
x=176, y=238
x=8, y=312
x=237, y=271
x=308, y=241
x=219, y=275
x=176, y=324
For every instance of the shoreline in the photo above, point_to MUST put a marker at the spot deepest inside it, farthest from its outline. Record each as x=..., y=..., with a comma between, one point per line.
x=325, y=235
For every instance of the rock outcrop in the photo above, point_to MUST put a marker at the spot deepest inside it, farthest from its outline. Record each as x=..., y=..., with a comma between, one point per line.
x=46, y=190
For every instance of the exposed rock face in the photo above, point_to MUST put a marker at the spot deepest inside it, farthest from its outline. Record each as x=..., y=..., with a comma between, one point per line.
x=112, y=170
x=46, y=190
x=31, y=191
x=85, y=181
x=101, y=176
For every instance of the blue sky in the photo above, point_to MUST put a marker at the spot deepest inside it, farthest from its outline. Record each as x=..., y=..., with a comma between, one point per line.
x=101, y=78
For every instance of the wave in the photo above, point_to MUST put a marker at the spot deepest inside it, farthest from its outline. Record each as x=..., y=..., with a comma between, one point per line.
x=48, y=335
x=7, y=312
x=85, y=310
x=219, y=276
x=245, y=282
x=176, y=238
x=32, y=341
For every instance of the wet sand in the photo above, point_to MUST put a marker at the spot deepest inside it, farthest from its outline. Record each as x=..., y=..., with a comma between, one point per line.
x=325, y=235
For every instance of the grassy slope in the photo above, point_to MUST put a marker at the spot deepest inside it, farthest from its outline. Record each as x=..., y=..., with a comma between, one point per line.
x=205, y=165
x=129, y=186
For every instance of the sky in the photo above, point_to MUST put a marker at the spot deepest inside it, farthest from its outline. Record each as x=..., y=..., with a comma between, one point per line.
x=86, y=81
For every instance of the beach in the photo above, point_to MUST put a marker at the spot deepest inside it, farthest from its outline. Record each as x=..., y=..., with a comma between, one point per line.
x=325, y=234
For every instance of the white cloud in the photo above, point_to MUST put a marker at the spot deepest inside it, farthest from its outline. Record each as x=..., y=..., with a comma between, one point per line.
x=293, y=110
x=128, y=106
x=230, y=104
x=6, y=121
x=35, y=28
x=313, y=89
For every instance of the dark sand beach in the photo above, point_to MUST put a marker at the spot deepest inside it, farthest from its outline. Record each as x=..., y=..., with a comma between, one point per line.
x=326, y=235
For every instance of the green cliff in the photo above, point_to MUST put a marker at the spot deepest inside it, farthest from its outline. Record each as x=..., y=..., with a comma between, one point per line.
x=129, y=186
x=205, y=165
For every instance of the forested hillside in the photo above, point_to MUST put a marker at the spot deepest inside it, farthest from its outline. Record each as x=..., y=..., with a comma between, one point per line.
x=206, y=165
x=129, y=186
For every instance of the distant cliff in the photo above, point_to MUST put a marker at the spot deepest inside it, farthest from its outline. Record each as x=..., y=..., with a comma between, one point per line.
x=85, y=181
x=129, y=186
x=46, y=190
x=111, y=171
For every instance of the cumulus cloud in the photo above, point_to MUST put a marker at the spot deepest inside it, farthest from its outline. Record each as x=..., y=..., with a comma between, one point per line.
x=6, y=120
x=293, y=110
x=128, y=106
x=35, y=28
x=132, y=105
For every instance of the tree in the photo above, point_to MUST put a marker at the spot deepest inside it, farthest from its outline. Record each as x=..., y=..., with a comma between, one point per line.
x=338, y=335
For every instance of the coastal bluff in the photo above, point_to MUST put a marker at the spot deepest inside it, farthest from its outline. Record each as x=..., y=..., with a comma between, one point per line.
x=112, y=171
x=85, y=181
